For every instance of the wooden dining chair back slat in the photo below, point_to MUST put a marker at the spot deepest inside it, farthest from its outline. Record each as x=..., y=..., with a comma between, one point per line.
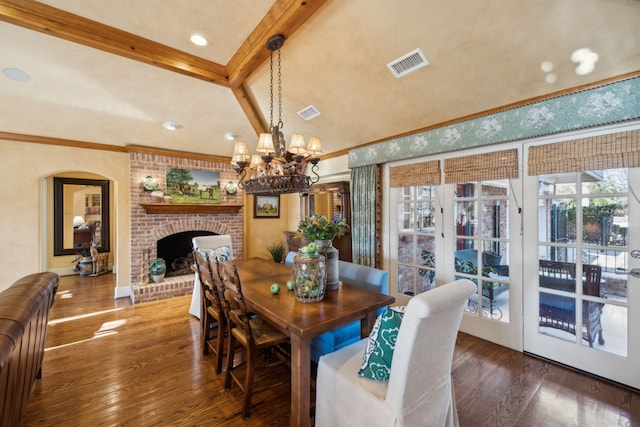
x=249, y=331
x=214, y=322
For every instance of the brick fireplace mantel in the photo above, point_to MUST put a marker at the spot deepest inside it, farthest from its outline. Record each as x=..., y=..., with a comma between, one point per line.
x=153, y=221
x=175, y=208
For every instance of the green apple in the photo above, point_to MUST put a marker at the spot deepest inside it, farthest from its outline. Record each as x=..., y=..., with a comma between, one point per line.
x=290, y=285
x=275, y=289
x=312, y=247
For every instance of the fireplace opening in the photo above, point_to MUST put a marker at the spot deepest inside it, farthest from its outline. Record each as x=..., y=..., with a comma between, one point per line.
x=177, y=251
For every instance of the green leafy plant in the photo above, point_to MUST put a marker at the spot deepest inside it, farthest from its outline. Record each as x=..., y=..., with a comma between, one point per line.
x=276, y=250
x=428, y=260
x=320, y=228
x=469, y=267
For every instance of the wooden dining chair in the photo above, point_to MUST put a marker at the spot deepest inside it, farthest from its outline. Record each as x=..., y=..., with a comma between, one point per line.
x=249, y=331
x=212, y=315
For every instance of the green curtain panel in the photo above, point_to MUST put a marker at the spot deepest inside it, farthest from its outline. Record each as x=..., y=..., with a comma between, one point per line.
x=363, y=215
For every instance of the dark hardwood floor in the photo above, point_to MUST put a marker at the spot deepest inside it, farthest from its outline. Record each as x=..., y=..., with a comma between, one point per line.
x=109, y=363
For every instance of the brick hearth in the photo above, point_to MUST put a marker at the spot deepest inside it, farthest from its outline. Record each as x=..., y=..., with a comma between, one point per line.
x=146, y=229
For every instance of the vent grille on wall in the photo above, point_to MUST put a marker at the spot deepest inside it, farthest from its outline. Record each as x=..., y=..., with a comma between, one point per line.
x=309, y=112
x=408, y=63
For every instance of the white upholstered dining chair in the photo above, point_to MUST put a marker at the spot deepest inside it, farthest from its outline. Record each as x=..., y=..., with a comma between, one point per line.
x=209, y=242
x=420, y=390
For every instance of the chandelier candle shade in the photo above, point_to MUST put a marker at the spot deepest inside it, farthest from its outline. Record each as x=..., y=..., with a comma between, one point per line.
x=277, y=169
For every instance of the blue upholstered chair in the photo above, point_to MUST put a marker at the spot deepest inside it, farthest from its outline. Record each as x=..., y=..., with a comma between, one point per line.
x=288, y=261
x=358, y=275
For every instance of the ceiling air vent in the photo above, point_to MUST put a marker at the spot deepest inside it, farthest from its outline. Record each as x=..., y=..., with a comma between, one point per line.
x=309, y=112
x=408, y=63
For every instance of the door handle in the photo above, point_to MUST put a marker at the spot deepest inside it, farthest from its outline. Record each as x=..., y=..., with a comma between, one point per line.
x=635, y=272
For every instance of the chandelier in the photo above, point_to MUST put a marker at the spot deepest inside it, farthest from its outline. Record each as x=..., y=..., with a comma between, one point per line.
x=277, y=170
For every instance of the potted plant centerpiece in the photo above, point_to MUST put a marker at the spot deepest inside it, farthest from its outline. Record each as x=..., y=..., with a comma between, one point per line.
x=321, y=231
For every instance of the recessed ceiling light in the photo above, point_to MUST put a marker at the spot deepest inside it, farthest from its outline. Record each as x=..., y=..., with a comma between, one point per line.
x=198, y=40
x=16, y=74
x=168, y=125
x=230, y=136
x=546, y=66
x=586, y=60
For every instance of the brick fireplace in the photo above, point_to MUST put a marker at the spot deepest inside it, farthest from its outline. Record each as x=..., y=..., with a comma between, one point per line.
x=147, y=229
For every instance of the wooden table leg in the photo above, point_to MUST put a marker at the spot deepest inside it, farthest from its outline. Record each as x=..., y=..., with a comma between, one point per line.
x=366, y=324
x=300, y=381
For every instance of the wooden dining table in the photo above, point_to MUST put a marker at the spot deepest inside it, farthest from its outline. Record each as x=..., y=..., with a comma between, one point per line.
x=304, y=321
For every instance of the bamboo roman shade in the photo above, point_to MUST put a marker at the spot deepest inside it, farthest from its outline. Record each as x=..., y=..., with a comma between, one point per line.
x=610, y=151
x=482, y=167
x=426, y=173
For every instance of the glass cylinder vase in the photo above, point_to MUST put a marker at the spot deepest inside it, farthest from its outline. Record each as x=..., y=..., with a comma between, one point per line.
x=331, y=255
x=309, y=276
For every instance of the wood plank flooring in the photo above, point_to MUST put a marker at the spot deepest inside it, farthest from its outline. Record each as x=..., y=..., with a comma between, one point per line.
x=109, y=363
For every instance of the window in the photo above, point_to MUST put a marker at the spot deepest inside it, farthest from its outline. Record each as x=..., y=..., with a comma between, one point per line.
x=416, y=239
x=481, y=220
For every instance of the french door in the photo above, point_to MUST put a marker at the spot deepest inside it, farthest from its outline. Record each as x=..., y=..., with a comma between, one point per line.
x=582, y=278
x=440, y=232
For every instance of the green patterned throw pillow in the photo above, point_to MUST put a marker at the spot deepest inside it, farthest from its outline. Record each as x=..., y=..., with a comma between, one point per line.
x=376, y=360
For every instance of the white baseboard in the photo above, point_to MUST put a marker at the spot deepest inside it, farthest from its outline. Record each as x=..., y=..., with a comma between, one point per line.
x=124, y=292
x=64, y=271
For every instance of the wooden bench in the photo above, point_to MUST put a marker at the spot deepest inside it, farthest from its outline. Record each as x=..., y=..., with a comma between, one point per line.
x=559, y=311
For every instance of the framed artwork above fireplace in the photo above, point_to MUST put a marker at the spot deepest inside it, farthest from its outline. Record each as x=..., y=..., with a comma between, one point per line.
x=190, y=186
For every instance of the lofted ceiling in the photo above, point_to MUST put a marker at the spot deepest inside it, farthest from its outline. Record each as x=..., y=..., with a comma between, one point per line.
x=111, y=72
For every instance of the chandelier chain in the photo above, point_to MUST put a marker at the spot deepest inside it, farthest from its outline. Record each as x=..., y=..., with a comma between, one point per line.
x=271, y=91
x=280, y=124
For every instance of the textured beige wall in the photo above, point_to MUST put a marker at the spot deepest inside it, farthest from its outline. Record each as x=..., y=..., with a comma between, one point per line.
x=25, y=222
x=25, y=242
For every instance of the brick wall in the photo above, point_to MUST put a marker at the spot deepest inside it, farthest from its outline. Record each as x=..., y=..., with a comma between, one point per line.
x=146, y=229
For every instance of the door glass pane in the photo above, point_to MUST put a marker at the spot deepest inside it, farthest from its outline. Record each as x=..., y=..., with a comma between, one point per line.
x=582, y=228
x=605, y=182
x=557, y=316
x=405, y=248
x=556, y=220
x=482, y=233
x=406, y=280
x=609, y=326
x=465, y=218
x=425, y=280
x=495, y=222
x=404, y=217
x=416, y=239
x=426, y=217
x=557, y=253
x=598, y=214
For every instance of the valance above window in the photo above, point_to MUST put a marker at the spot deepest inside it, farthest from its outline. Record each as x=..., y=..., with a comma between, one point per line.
x=482, y=167
x=615, y=150
x=425, y=173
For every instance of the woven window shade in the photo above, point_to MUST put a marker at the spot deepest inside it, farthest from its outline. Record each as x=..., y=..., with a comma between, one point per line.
x=616, y=150
x=426, y=173
x=482, y=167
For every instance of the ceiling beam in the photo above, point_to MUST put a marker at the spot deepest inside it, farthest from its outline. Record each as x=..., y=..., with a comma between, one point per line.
x=59, y=23
x=38, y=139
x=284, y=17
x=249, y=108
